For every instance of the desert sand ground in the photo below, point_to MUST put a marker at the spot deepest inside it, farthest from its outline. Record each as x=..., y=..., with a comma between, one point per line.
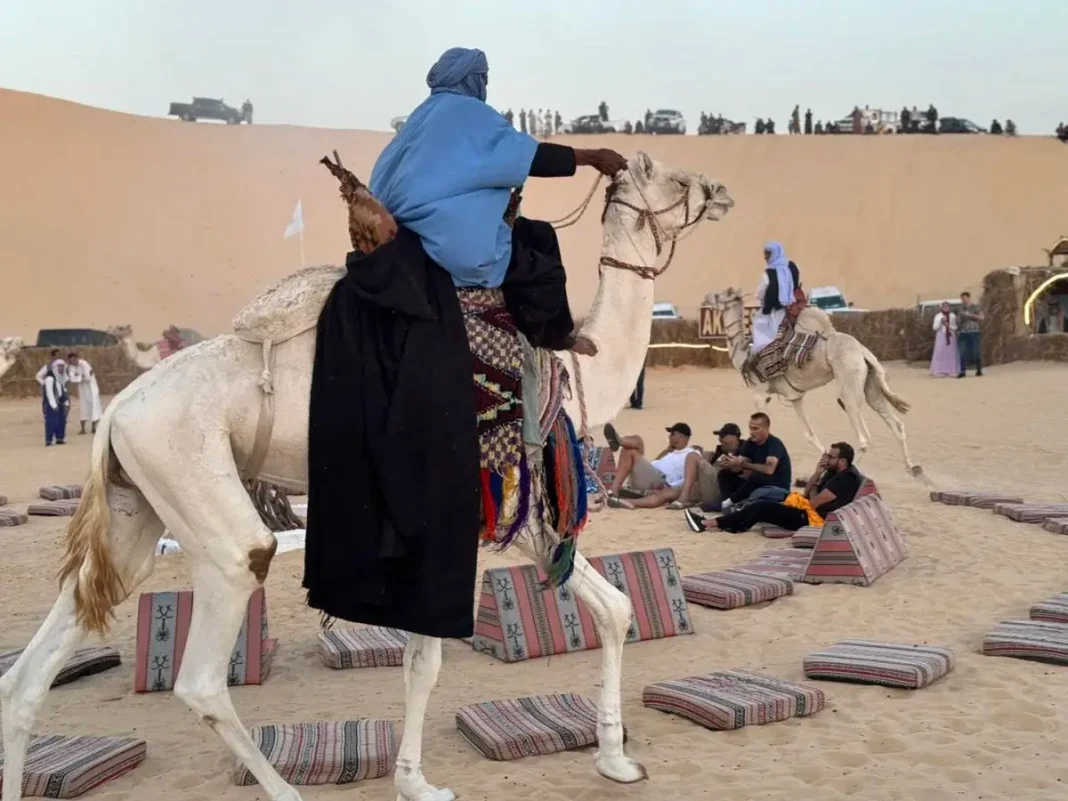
x=167, y=222
x=993, y=729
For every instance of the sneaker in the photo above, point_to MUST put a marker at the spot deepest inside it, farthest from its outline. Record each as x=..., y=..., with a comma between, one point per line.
x=611, y=437
x=695, y=521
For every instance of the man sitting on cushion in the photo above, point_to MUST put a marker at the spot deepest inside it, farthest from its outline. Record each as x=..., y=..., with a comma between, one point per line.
x=834, y=483
x=678, y=471
x=760, y=471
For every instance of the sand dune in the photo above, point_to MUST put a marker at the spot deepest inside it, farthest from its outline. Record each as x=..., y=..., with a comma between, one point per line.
x=108, y=217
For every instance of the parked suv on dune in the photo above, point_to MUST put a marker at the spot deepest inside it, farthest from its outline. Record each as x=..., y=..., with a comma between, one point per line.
x=207, y=108
x=667, y=121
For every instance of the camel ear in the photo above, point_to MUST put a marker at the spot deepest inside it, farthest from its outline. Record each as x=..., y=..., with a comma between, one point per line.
x=645, y=165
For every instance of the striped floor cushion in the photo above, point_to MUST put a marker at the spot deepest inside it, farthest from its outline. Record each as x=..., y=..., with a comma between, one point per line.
x=330, y=752
x=370, y=646
x=535, y=725
x=518, y=618
x=163, y=620
x=59, y=492
x=867, y=662
x=66, y=767
x=9, y=517
x=787, y=563
x=1058, y=525
x=1055, y=610
x=806, y=537
x=61, y=508
x=85, y=662
x=1040, y=640
x=949, y=497
x=978, y=500
x=776, y=533
x=734, y=588
x=1031, y=512
x=730, y=699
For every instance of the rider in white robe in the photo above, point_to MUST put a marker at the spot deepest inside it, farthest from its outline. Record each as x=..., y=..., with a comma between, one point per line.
x=772, y=311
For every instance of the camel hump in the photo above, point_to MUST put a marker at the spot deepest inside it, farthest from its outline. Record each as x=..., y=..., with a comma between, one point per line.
x=290, y=307
x=812, y=319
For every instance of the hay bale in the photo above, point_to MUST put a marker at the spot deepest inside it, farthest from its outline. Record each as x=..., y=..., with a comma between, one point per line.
x=682, y=332
x=113, y=367
x=1005, y=337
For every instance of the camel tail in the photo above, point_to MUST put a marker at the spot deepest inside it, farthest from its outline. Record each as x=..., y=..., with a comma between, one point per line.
x=98, y=587
x=876, y=371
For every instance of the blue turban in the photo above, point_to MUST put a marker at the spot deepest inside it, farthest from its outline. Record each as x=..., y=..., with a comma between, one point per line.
x=461, y=71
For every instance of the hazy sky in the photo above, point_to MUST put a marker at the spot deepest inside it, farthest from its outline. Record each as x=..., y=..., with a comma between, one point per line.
x=357, y=63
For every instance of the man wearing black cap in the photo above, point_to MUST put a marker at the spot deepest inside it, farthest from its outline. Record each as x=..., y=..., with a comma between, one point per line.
x=678, y=471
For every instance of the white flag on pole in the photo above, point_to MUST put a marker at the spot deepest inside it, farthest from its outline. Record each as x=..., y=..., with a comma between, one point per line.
x=296, y=225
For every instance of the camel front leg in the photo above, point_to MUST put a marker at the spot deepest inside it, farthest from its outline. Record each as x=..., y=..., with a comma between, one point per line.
x=422, y=661
x=810, y=434
x=611, y=612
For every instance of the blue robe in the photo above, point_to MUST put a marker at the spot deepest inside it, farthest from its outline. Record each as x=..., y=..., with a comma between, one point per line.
x=448, y=176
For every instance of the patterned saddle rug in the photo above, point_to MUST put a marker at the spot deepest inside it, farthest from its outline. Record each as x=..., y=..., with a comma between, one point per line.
x=519, y=482
x=791, y=347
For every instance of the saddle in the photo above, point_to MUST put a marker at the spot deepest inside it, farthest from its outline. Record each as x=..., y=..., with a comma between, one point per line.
x=801, y=329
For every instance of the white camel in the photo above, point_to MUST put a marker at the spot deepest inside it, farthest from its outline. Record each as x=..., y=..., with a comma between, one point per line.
x=9, y=353
x=835, y=357
x=146, y=358
x=214, y=393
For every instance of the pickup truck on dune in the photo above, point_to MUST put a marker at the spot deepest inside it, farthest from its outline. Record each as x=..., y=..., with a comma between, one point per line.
x=209, y=108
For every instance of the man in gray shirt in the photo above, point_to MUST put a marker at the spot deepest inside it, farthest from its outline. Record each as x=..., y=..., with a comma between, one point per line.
x=968, y=342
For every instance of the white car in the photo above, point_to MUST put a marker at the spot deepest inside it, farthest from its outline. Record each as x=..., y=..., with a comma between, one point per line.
x=666, y=311
x=667, y=121
x=831, y=300
x=398, y=122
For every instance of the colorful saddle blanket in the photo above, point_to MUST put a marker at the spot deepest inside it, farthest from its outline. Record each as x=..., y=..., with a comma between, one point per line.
x=515, y=481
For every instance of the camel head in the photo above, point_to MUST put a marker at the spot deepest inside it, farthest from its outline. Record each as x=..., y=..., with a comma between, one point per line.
x=121, y=332
x=727, y=299
x=9, y=348
x=678, y=198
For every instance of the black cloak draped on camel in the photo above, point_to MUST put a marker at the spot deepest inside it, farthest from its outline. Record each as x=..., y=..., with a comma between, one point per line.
x=393, y=462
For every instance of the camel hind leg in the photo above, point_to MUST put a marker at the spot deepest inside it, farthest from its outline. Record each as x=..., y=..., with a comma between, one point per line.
x=133, y=532
x=212, y=517
x=850, y=398
x=878, y=401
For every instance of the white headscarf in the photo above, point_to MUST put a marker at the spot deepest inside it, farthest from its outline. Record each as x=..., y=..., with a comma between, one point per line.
x=61, y=377
x=777, y=261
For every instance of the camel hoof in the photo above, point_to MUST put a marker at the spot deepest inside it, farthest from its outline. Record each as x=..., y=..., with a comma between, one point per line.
x=621, y=769
x=915, y=470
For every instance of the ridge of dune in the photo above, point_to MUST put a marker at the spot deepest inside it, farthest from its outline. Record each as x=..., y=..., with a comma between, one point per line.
x=108, y=217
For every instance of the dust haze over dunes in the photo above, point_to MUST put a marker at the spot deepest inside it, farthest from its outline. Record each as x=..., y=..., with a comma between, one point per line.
x=111, y=218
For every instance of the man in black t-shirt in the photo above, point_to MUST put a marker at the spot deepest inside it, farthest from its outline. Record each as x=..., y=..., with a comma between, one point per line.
x=760, y=471
x=832, y=485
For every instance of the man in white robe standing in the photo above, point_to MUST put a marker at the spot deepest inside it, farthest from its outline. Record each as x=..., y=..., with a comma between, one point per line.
x=82, y=374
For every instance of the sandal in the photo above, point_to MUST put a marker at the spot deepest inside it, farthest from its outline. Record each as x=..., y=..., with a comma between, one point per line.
x=612, y=437
x=618, y=503
x=678, y=506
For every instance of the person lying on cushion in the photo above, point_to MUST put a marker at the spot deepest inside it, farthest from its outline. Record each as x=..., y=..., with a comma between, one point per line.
x=832, y=485
x=448, y=176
